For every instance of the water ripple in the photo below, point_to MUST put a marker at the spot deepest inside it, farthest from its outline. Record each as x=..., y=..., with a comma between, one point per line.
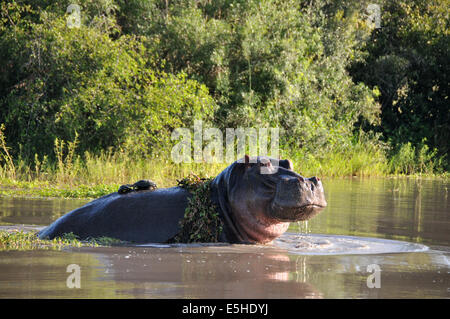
x=316, y=244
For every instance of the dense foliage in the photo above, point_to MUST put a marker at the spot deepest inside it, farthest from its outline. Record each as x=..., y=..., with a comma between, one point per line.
x=61, y=82
x=408, y=61
x=135, y=70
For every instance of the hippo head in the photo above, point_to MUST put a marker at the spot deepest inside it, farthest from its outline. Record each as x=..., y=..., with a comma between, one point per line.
x=261, y=195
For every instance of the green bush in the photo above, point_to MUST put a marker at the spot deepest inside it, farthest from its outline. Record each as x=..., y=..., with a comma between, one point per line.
x=410, y=159
x=81, y=82
x=270, y=63
x=407, y=60
x=136, y=70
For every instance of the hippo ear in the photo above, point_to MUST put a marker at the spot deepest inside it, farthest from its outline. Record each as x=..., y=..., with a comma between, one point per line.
x=247, y=161
x=287, y=164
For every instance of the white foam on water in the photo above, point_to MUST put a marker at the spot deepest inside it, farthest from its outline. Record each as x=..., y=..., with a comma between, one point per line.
x=316, y=244
x=154, y=245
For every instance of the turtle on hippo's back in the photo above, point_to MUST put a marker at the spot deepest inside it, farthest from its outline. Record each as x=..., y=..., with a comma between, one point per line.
x=253, y=201
x=143, y=184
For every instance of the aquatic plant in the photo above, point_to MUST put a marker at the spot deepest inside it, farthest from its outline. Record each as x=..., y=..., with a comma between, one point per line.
x=21, y=240
x=201, y=222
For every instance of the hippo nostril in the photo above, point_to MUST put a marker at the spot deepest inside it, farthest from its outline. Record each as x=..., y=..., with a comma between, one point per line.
x=301, y=179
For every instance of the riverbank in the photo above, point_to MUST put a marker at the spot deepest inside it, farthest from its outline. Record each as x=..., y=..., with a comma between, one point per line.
x=97, y=179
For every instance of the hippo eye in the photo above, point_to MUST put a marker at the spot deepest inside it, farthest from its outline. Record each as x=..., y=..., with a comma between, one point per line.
x=266, y=164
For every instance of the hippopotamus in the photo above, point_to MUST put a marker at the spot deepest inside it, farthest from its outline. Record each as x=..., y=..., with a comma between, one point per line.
x=256, y=199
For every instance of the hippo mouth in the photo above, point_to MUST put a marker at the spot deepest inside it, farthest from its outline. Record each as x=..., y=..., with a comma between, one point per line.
x=311, y=206
x=297, y=199
x=293, y=214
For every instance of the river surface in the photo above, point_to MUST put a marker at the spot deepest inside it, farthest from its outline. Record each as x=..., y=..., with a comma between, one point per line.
x=378, y=238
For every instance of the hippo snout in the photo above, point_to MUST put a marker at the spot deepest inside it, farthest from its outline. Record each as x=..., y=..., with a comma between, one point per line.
x=298, y=198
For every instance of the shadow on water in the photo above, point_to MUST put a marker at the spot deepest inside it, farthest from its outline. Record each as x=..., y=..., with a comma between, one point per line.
x=416, y=211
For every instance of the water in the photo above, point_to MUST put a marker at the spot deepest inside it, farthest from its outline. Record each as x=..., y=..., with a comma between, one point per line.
x=400, y=225
x=316, y=244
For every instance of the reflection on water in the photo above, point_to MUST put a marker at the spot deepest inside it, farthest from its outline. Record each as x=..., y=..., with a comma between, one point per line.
x=405, y=209
x=37, y=211
x=402, y=209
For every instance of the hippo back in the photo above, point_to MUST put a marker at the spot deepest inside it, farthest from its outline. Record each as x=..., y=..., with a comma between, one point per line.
x=142, y=217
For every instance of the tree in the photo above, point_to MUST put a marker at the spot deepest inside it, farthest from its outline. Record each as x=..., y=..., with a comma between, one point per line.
x=408, y=61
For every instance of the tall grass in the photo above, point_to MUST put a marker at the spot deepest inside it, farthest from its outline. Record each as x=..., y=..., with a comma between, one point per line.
x=419, y=159
x=362, y=158
x=113, y=168
x=71, y=175
x=10, y=167
x=106, y=168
